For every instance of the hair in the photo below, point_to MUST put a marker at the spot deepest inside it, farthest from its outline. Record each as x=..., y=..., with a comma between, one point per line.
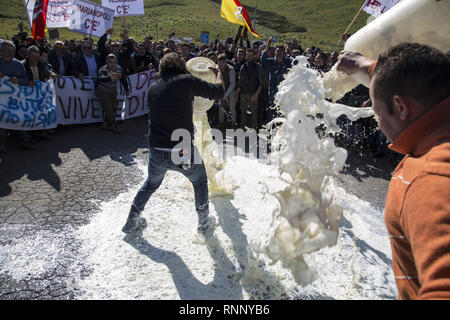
x=412, y=69
x=172, y=64
x=7, y=43
x=33, y=49
x=250, y=50
x=221, y=57
x=281, y=47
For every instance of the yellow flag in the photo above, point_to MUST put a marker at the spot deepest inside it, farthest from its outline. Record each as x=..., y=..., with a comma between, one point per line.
x=234, y=12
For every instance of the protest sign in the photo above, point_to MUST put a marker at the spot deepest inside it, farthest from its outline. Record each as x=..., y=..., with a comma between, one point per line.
x=26, y=107
x=58, y=12
x=90, y=18
x=378, y=7
x=125, y=7
x=76, y=101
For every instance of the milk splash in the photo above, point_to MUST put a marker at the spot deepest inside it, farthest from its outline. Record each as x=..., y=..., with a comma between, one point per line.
x=308, y=217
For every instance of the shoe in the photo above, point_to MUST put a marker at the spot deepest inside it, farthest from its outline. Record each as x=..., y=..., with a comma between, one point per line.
x=106, y=126
x=206, y=224
x=134, y=222
x=117, y=129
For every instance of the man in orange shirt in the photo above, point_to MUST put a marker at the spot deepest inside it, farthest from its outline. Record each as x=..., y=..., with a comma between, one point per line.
x=410, y=92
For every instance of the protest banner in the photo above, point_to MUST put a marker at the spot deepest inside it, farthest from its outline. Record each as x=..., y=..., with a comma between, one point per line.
x=58, y=12
x=27, y=107
x=76, y=102
x=90, y=18
x=378, y=7
x=125, y=7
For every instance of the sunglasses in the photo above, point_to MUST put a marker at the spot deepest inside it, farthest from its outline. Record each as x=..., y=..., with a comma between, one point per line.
x=86, y=47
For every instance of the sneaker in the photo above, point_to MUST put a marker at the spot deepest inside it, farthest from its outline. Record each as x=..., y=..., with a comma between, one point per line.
x=117, y=129
x=134, y=222
x=106, y=126
x=206, y=224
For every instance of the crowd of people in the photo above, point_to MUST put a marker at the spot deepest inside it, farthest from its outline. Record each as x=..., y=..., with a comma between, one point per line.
x=251, y=73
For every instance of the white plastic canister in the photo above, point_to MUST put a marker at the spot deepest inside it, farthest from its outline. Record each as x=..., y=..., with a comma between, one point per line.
x=421, y=21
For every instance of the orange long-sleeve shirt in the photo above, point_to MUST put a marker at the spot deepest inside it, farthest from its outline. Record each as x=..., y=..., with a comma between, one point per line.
x=417, y=210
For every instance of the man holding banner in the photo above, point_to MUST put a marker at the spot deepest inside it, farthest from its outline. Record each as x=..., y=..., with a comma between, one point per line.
x=15, y=70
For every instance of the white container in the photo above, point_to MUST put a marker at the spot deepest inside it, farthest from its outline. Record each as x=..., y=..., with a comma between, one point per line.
x=421, y=21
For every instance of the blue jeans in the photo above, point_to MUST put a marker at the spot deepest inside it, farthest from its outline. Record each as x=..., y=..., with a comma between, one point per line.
x=158, y=164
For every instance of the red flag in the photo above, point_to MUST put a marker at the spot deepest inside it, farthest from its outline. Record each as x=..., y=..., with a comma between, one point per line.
x=39, y=19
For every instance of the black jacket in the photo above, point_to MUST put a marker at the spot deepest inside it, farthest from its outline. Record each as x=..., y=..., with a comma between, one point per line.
x=123, y=57
x=80, y=65
x=54, y=61
x=170, y=102
x=44, y=73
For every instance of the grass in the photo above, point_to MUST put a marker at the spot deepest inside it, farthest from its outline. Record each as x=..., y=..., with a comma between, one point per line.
x=313, y=22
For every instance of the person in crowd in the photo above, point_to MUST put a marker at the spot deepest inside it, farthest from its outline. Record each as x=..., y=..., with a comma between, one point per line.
x=106, y=91
x=186, y=54
x=320, y=62
x=44, y=58
x=333, y=59
x=21, y=52
x=88, y=63
x=227, y=107
x=143, y=60
x=410, y=93
x=296, y=46
x=213, y=56
x=277, y=67
x=15, y=70
x=37, y=71
x=250, y=84
x=170, y=103
x=61, y=62
x=122, y=50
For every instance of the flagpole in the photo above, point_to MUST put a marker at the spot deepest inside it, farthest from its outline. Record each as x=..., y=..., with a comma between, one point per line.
x=254, y=26
x=218, y=22
x=124, y=19
x=353, y=20
x=26, y=10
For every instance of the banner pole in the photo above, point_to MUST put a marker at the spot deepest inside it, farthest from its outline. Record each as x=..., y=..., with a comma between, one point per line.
x=124, y=19
x=25, y=11
x=254, y=26
x=218, y=22
x=348, y=28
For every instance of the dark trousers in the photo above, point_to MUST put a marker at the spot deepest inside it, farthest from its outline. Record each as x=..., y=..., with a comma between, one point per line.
x=159, y=163
x=108, y=101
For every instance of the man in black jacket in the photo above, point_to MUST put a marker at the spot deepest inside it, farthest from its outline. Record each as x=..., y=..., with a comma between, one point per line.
x=88, y=63
x=60, y=61
x=170, y=102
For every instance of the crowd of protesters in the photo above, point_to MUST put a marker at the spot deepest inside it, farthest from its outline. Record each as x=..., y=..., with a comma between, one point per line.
x=251, y=73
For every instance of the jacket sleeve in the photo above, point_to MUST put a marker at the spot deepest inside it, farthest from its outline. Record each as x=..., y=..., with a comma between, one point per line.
x=266, y=61
x=102, y=46
x=426, y=222
x=232, y=82
x=22, y=76
x=200, y=88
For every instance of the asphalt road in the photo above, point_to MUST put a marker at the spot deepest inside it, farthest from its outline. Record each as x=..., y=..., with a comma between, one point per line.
x=58, y=187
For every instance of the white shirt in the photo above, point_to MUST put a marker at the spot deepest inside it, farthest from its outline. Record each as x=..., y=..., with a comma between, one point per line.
x=92, y=65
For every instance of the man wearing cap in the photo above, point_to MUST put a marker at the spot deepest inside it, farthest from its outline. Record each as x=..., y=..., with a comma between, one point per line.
x=106, y=91
x=60, y=61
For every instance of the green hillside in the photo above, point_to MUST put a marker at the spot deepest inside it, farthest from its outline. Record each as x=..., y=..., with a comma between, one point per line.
x=314, y=22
